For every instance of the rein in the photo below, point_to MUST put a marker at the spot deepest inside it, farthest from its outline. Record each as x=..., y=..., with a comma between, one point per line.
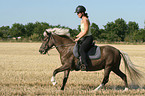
x=65, y=45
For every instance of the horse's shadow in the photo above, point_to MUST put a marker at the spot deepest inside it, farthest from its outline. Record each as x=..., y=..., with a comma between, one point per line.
x=122, y=87
x=113, y=87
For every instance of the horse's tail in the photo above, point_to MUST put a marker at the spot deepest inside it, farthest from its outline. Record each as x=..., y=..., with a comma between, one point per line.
x=135, y=75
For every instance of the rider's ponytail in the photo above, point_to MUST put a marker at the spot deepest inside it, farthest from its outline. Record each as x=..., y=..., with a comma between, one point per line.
x=86, y=14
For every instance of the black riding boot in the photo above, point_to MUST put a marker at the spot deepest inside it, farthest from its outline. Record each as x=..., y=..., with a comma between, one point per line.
x=81, y=66
x=84, y=65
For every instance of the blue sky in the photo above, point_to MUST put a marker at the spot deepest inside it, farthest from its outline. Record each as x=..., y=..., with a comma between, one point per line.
x=61, y=12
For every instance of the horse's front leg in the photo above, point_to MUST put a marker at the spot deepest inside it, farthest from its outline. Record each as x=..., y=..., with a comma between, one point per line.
x=60, y=69
x=66, y=74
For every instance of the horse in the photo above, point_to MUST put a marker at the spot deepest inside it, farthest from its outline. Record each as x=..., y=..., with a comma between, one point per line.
x=109, y=61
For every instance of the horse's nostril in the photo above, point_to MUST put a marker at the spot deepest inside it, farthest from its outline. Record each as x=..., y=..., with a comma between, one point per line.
x=40, y=51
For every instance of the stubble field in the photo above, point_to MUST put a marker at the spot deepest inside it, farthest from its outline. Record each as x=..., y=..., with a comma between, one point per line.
x=23, y=71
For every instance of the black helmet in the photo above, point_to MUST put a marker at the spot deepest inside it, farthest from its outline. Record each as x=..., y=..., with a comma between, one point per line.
x=80, y=9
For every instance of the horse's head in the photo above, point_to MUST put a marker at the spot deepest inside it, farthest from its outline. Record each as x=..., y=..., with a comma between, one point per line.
x=47, y=43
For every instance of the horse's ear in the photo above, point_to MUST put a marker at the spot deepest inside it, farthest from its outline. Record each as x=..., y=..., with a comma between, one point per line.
x=46, y=33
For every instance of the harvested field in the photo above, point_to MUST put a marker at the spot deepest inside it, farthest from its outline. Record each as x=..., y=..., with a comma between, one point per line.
x=23, y=71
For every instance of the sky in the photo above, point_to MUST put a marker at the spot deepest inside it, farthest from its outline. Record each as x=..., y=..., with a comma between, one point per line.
x=61, y=12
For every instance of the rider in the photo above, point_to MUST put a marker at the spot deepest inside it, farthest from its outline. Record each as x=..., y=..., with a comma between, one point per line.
x=85, y=35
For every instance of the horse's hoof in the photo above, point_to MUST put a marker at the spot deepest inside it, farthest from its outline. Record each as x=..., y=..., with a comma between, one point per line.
x=99, y=87
x=95, y=90
x=126, y=89
x=53, y=80
x=54, y=83
x=59, y=91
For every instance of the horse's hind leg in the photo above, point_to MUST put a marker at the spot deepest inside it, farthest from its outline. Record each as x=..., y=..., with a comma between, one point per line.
x=106, y=78
x=122, y=75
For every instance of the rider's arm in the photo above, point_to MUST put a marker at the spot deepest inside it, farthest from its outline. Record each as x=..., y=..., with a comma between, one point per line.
x=86, y=28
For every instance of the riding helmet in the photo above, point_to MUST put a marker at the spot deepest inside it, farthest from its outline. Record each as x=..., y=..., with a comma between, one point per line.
x=80, y=9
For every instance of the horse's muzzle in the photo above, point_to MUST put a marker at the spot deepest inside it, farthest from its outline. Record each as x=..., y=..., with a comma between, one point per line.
x=42, y=51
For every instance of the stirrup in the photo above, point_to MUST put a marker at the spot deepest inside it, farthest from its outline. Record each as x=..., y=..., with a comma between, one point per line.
x=83, y=67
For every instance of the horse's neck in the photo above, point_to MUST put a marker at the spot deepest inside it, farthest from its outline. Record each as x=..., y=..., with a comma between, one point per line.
x=62, y=40
x=62, y=43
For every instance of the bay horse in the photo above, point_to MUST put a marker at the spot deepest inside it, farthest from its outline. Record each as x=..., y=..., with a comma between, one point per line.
x=109, y=61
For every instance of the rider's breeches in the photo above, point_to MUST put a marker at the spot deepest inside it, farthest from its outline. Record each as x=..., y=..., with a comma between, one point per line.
x=84, y=48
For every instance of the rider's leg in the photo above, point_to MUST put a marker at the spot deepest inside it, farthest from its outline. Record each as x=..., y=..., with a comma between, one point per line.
x=84, y=48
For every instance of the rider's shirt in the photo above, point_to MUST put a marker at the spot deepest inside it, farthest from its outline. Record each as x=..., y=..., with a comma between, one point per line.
x=89, y=31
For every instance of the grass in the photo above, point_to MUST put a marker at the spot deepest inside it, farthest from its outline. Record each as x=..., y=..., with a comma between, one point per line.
x=23, y=71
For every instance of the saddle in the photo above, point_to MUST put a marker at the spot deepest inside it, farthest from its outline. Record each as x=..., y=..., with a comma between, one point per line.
x=94, y=53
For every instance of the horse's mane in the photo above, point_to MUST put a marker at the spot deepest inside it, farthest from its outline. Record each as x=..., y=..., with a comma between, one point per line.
x=67, y=37
x=61, y=32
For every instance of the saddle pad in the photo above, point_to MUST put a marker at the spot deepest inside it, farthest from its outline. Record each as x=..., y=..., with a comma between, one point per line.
x=94, y=52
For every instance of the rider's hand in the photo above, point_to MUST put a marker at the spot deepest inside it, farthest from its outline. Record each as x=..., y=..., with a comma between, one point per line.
x=77, y=39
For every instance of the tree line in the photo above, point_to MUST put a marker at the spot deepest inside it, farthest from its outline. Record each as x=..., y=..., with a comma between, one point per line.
x=117, y=31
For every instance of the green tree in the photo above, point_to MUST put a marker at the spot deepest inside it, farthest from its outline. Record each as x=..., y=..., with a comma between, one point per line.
x=79, y=28
x=4, y=31
x=116, y=30
x=73, y=33
x=95, y=31
x=111, y=32
x=142, y=31
x=17, y=30
x=102, y=36
x=120, y=28
x=132, y=31
x=132, y=26
x=141, y=35
x=39, y=28
x=1, y=33
x=29, y=28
